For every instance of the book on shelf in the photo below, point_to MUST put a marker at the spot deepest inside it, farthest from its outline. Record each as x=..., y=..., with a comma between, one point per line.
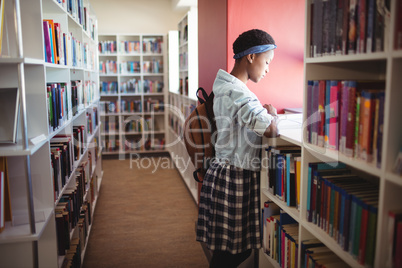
x=394, y=219
x=2, y=7
x=398, y=24
x=9, y=115
x=5, y=194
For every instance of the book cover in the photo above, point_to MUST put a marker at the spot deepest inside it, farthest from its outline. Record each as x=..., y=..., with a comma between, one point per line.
x=344, y=88
x=352, y=33
x=361, y=27
x=334, y=116
x=326, y=21
x=370, y=25
x=398, y=246
x=371, y=238
x=327, y=111
x=321, y=113
x=298, y=179
x=357, y=125
x=339, y=26
x=46, y=37
x=394, y=216
x=1, y=23
x=379, y=24
x=381, y=99
x=317, y=28
x=315, y=112
x=398, y=24
x=345, y=27
x=309, y=110
x=351, y=119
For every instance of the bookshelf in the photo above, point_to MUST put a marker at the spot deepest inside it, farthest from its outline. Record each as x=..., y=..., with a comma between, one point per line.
x=36, y=185
x=183, y=85
x=133, y=92
x=180, y=109
x=188, y=54
x=382, y=65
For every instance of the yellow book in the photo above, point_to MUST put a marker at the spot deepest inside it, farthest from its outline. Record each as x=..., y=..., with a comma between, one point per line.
x=1, y=22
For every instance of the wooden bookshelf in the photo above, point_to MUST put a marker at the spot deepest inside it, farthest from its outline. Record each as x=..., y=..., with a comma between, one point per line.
x=133, y=92
x=380, y=65
x=30, y=238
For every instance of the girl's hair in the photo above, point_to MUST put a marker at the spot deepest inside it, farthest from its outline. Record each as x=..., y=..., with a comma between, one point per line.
x=252, y=38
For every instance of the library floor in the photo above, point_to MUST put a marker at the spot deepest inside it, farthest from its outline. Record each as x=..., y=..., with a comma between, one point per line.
x=144, y=217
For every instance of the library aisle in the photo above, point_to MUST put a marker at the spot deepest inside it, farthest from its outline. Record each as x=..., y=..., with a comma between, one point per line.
x=144, y=217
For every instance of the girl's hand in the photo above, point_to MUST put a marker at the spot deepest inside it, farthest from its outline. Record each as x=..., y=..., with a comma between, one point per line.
x=271, y=109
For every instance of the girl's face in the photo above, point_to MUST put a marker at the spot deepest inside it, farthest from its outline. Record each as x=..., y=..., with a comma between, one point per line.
x=258, y=65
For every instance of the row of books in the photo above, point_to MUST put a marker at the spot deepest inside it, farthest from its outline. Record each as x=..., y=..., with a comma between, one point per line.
x=107, y=46
x=132, y=106
x=146, y=124
x=108, y=67
x=135, y=144
x=79, y=12
x=345, y=206
x=183, y=60
x=132, y=86
x=341, y=27
x=152, y=45
x=347, y=116
x=280, y=241
x=149, y=45
x=316, y=254
x=127, y=67
x=280, y=235
x=133, y=126
x=108, y=87
x=112, y=144
x=183, y=86
x=5, y=198
x=394, y=254
x=65, y=49
x=92, y=120
x=73, y=256
x=72, y=211
x=90, y=92
x=110, y=125
x=154, y=66
x=284, y=173
x=57, y=105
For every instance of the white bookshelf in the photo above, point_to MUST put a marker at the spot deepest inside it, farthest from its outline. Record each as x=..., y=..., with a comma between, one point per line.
x=183, y=85
x=179, y=109
x=386, y=65
x=188, y=54
x=138, y=130
x=30, y=238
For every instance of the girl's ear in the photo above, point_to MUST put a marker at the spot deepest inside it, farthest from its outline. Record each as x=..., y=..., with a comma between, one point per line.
x=250, y=57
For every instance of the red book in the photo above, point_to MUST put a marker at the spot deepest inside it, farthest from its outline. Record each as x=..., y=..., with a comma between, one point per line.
x=398, y=246
x=361, y=26
x=351, y=120
x=321, y=113
x=333, y=118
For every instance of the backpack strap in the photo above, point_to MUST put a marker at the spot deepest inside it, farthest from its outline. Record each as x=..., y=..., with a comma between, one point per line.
x=204, y=94
x=195, y=174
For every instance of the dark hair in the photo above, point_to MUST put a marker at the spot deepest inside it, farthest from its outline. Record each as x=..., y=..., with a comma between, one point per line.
x=252, y=38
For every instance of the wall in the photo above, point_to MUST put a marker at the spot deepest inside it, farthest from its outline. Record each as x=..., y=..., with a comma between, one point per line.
x=136, y=16
x=212, y=40
x=284, y=20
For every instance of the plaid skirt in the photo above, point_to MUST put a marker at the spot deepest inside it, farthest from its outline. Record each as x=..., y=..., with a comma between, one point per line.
x=229, y=209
